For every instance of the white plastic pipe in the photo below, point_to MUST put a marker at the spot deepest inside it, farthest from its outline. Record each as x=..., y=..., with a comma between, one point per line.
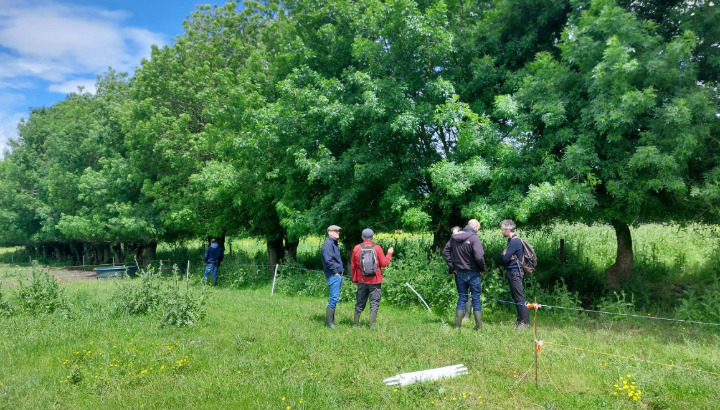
x=432, y=374
x=418, y=295
x=272, y=291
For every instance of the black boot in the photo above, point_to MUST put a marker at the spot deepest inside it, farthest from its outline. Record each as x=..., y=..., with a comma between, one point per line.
x=373, y=317
x=478, y=319
x=329, y=317
x=357, y=318
x=468, y=310
x=214, y=282
x=459, y=315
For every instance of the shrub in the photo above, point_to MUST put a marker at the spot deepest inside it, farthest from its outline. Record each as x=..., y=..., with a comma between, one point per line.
x=42, y=295
x=152, y=293
x=701, y=305
x=138, y=297
x=181, y=307
x=618, y=303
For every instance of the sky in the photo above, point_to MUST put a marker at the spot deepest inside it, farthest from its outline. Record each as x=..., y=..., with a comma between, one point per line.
x=50, y=47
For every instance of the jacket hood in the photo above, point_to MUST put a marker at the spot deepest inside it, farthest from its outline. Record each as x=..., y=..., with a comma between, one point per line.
x=214, y=245
x=463, y=235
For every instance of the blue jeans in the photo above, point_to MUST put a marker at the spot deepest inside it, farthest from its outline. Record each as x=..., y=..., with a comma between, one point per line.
x=472, y=281
x=334, y=282
x=211, y=267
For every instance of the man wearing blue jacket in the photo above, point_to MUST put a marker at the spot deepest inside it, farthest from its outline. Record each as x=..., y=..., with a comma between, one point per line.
x=333, y=267
x=213, y=257
x=512, y=255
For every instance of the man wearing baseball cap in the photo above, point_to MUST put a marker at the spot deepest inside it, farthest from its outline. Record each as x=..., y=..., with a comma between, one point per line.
x=367, y=259
x=333, y=266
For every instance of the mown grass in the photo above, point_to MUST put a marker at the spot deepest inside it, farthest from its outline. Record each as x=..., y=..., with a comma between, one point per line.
x=256, y=351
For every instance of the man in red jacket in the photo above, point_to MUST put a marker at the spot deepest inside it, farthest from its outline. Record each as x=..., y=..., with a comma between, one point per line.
x=367, y=259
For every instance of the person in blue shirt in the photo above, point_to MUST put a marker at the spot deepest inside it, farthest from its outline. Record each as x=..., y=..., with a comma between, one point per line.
x=512, y=255
x=333, y=267
x=213, y=257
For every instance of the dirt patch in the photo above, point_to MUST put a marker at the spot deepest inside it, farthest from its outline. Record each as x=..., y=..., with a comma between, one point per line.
x=67, y=276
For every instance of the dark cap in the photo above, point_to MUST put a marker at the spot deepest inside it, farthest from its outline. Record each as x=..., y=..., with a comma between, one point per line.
x=367, y=233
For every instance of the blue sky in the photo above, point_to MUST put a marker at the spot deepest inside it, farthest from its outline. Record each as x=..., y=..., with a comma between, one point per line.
x=50, y=47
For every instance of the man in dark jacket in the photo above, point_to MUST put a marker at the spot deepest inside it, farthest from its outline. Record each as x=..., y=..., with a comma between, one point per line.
x=213, y=257
x=333, y=267
x=512, y=255
x=464, y=254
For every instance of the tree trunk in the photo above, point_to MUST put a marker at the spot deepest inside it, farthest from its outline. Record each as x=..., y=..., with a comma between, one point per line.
x=147, y=253
x=291, y=247
x=276, y=251
x=221, y=240
x=621, y=271
x=58, y=252
x=117, y=248
x=106, y=253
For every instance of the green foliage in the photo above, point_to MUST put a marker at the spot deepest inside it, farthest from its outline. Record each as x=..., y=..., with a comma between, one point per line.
x=701, y=305
x=276, y=119
x=138, y=297
x=620, y=303
x=42, y=294
x=153, y=294
x=6, y=308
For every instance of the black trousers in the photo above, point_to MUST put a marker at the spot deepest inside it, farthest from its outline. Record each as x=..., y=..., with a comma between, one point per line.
x=515, y=280
x=371, y=290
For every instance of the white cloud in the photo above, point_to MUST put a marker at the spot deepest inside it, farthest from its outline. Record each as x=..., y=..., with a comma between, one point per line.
x=72, y=86
x=8, y=129
x=55, y=42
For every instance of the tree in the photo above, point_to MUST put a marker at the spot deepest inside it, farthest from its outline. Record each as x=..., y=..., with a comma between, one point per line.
x=617, y=129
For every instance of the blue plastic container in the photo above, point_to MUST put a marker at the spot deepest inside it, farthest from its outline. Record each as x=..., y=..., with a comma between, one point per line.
x=112, y=272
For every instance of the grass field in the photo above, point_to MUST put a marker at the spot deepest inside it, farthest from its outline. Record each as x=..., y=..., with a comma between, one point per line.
x=256, y=351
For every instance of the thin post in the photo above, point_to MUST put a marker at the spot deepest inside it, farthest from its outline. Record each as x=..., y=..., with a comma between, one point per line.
x=272, y=291
x=188, y=271
x=230, y=245
x=12, y=258
x=113, y=261
x=562, y=250
x=536, y=345
x=418, y=295
x=83, y=260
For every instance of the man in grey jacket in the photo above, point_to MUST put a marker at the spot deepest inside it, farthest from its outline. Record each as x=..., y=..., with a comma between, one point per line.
x=464, y=254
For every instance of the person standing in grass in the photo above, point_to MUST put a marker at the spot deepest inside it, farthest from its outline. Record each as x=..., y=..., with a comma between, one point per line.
x=512, y=255
x=213, y=257
x=365, y=265
x=468, y=304
x=333, y=267
x=464, y=254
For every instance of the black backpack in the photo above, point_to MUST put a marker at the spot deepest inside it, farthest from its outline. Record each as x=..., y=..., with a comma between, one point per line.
x=529, y=259
x=368, y=260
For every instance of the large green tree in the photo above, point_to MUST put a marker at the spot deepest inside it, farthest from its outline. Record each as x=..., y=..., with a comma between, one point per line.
x=618, y=129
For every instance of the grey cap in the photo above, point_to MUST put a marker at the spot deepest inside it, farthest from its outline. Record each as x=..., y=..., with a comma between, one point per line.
x=367, y=233
x=333, y=228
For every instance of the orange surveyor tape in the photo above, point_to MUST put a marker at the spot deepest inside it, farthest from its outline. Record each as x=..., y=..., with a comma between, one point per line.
x=534, y=306
x=538, y=345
